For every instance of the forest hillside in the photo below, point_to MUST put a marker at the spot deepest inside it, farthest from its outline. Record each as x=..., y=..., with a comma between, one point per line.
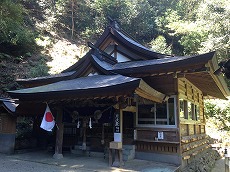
x=42, y=37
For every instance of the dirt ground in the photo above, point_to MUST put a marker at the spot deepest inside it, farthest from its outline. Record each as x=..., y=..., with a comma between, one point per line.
x=43, y=162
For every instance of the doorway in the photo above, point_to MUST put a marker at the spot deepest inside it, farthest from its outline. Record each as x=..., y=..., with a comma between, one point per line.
x=128, y=128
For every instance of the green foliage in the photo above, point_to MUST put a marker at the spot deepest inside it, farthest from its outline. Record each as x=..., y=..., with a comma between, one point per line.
x=15, y=37
x=219, y=110
x=215, y=17
x=40, y=69
x=201, y=26
x=192, y=42
x=159, y=45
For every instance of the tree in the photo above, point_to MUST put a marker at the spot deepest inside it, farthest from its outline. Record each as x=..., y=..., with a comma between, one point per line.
x=159, y=45
x=214, y=16
x=15, y=37
x=220, y=111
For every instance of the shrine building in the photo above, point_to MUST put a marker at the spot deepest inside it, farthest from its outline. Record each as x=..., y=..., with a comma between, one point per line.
x=120, y=95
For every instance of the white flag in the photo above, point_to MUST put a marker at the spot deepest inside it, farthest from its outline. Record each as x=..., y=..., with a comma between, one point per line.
x=48, y=120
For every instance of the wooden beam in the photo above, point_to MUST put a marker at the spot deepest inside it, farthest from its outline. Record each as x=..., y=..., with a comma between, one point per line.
x=145, y=91
x=130, y=109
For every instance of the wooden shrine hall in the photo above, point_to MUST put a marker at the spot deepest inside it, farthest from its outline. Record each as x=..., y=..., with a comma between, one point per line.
x=123, y=96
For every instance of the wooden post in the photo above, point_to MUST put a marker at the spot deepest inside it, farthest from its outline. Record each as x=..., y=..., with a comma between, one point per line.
x=84, y=133
x=116, y=145
x=59, y=135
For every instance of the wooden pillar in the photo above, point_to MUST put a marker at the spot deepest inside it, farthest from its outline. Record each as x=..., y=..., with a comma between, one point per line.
x=116, y=145
x=121, y=123
x=84, y=133
x=59, y=135
x=7, y=133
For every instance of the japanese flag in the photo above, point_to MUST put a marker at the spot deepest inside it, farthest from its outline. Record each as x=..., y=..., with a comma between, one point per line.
x=48, y=120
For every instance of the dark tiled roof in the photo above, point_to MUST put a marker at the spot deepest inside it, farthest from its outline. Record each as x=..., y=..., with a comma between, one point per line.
x=127, y=41
x=176, y=61
x=194, y=67
x=47, y=77
x=84, y=83
x=132, y=41
x=169, y=64
x=97, y=85
x=101, y=63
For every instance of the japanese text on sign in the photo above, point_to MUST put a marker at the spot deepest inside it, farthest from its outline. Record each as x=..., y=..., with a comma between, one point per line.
x=117, y=123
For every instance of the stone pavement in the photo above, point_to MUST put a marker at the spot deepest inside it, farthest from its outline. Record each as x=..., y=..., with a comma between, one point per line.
x=42, y=161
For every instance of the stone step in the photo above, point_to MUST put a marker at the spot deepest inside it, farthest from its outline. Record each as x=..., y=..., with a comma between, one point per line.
x=128, y=152
x=90, y=154
x=80, y=147
x=125, y=157
x=79, y=152
x=128, y=147
x=128, y=157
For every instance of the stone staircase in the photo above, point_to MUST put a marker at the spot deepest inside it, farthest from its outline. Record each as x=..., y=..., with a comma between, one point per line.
x=128, y=152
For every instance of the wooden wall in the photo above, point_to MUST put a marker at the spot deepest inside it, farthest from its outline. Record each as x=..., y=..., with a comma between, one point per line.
x=7, y=123
x=7, y=133
x=192, y=132
x=145, y=137
x=146, y=142
x=188, y=139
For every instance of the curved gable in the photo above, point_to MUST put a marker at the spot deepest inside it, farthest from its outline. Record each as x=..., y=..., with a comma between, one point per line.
x=124, y=44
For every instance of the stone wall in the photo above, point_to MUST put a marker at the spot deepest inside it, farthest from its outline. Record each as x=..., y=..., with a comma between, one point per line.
x=204, y=162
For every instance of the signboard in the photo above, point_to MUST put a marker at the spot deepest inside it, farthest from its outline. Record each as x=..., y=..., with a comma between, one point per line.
x=117, y=137
x=135, y=134
x=117, y=130
x=160, y=135
x=117, y=123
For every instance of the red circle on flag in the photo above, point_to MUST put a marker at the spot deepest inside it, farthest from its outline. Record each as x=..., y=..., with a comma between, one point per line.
x=49, y=117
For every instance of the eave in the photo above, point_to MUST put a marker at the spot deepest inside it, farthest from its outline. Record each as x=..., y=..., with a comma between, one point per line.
x=8, y=105
x=89, y=87
x=32, y=82
x=198, y=69
x=212, y=86
x=82, y=68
